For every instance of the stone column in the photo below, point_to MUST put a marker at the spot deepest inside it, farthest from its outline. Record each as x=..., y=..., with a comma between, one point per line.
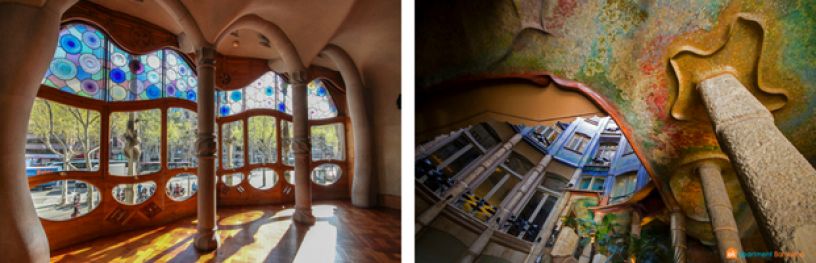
x=528, y=183
x=719, y=210
x=30, y=38
x=678, y=235
x=634, y=229
x=426, y=149
x=451, y=195
x=362, y=194
x=301, y=146
x=777, y=180
x=548, y=227
x=206, y=238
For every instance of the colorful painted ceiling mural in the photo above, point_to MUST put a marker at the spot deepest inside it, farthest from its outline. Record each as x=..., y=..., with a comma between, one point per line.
x=643, y=57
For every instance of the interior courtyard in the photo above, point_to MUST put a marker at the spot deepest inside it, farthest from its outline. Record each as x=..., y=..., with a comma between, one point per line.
x=200, y=131
x=615, y=131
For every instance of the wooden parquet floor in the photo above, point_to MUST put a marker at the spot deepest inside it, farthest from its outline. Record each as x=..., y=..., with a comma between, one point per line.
x=258, y=234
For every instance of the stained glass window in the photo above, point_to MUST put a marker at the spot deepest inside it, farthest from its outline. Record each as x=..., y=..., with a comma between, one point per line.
x=285, y=98
x=77, y=66
x=230, y=102
x=261, y=93
x=320, y=103
x=179, y=80
x=85, y=58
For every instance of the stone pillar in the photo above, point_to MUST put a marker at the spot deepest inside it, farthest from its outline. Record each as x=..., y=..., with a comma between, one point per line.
x=206, y=238
x=634, y=229
x=426, y=149
x=548, y=227
x=777, y=180
x=678, y=235
x=301, y=146
x=452, y=194
x=30, y=38
x=719, y=210
x=530, y=182
x=362, y=194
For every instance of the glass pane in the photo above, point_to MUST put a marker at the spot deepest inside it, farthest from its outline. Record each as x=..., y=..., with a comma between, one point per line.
x=326, y=174
x=263, y=178
x=483, y=134
x=77, y=66
x=179, y=81
x=230, y=102
x=460, y=163
x=61, y=138
x=181, y=187
x=503, y=190
x=448, y=150
x=598, y=185
x=290, y=176
x=64, y=199
x=284, y=98
x=328, y=142
x=232, y=144
x=484, y=188
x=148, y=74
x=518, y=163
x=528, y=210
x=554, y=183
x=263, y=143
x=134, y=194
x=232, y=179
x=182, y=131
x=135, y=142
x=286, y=139
x=261, y=93
x=585, y=183
x=321, y=105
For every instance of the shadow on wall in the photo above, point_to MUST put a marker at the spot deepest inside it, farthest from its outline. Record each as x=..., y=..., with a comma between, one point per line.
x=437, y=246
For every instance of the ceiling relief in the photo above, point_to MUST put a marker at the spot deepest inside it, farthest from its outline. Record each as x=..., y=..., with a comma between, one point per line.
x=738, y=51
x=623, y=51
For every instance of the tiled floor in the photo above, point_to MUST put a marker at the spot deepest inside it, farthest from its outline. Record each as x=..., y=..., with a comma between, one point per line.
x=258, y=234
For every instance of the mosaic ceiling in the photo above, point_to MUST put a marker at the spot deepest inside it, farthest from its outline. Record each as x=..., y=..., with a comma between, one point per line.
x=643, y=57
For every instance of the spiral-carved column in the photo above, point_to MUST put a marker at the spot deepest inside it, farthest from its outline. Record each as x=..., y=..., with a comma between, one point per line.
x=206, y=239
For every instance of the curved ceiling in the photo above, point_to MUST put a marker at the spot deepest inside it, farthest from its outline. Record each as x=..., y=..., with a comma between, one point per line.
x=622, y=51
x=310, y=25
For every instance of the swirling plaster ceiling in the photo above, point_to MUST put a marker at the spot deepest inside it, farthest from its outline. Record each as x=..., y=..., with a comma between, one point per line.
x=622, y=51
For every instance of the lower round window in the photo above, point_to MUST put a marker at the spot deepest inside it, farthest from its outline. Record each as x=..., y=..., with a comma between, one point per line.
x=64, y=199
x=232, y=179
x=326, y=174
x=181, y=187
x=134, y=194
x=263, y=178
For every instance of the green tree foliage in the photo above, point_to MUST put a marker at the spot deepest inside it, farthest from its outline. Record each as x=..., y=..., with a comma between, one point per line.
x=262, y=139
x=327, y=141
x=182, y=128
x=149, y=127
x=66, y=131
x=232, y=140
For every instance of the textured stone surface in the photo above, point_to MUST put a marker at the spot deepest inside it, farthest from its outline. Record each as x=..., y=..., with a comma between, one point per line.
x=719, y=209
x=566, y=243
x=778, y=181
x=678, y=236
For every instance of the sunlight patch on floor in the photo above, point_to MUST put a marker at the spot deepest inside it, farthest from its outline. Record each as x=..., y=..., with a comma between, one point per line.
x=319, y=244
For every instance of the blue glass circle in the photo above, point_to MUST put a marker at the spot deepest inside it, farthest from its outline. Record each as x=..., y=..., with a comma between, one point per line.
x=63, y=69
x=225, y=110
x=235, y=96
x=70, y=44
x=321, y=91
x=269, y=91
x=191, y=95
x=281, y=107
x=92, y=39
x=153, y=92
x=117, y=75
